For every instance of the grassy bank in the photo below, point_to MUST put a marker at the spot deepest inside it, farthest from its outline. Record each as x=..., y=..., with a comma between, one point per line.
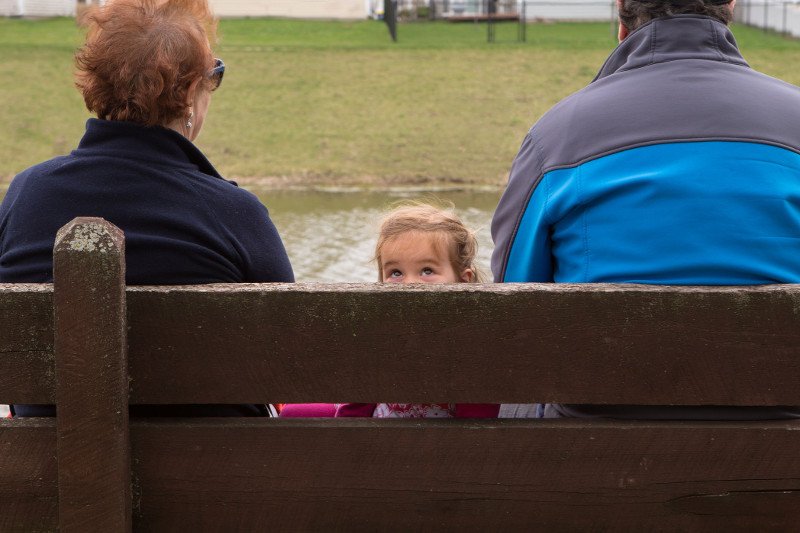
x=337, y=103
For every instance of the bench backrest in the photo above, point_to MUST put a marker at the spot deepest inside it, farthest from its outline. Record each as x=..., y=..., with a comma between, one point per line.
x=91, y=345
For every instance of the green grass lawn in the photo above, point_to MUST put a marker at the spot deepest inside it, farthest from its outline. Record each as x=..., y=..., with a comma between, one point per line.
x=338, y=102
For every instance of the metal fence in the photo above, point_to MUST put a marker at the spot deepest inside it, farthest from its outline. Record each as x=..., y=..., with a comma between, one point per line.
x=532, y=10
x=493, y=12
x=780, y=16
x=37, y=8
x=776, y=15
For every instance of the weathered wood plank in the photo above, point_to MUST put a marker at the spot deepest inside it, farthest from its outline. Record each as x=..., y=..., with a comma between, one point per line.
x=456, y=475
x=28, y=475
x=677, y=345
x=624, y=344
x=204, y=475
x=92, y=377
x=27, y=366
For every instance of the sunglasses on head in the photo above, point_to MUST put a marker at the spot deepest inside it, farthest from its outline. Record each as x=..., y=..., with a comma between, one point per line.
x=216, y=73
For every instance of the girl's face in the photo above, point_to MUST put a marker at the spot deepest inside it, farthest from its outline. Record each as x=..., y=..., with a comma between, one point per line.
x=417, y=257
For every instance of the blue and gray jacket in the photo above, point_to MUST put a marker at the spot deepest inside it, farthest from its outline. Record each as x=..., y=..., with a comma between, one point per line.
x=678, y=164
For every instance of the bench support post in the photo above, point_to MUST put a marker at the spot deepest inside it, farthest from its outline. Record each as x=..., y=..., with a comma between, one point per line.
x=94, y=474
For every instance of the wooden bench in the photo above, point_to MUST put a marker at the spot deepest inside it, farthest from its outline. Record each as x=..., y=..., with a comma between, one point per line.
x=92, y=346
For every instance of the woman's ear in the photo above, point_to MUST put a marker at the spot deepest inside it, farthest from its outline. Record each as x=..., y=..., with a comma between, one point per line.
x=191, y=92
x=466, y=276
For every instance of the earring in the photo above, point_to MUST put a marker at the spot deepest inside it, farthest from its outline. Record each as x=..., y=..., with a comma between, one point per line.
x=189, y=120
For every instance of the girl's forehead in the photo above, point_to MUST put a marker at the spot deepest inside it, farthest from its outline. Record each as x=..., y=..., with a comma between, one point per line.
x=413, y=242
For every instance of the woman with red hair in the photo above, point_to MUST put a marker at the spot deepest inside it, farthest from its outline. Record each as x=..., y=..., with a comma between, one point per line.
x=147, y=71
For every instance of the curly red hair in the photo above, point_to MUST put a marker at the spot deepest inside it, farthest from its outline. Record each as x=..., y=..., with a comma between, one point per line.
x=142, y=56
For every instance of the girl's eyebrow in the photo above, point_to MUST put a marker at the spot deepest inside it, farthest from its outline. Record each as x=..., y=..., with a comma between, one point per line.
x=425, y=260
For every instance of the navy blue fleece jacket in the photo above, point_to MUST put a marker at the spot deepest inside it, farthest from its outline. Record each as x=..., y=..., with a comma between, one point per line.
x=183, y=223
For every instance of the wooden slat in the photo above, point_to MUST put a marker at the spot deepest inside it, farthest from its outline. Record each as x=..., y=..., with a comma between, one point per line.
x=664, y=362
x=512, y=343
x=28, y=475
x=92, y=373
x=659, y=369
x=27, y=366
x=300, y=475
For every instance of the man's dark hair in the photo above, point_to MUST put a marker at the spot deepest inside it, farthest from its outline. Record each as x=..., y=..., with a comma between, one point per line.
x=634, y=13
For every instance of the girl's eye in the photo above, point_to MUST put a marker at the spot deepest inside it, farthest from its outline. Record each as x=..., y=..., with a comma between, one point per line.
x=427, y=271
x=395, y=274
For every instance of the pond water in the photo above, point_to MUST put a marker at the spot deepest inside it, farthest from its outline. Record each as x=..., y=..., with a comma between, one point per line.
x=330, y=236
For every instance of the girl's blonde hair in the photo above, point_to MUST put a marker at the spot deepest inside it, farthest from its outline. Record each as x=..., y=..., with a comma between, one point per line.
x=461, y=243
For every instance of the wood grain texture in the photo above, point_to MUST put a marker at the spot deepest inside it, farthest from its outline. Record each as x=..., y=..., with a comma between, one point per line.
x=512, y=343
x=515, y=343
x=27, y=365
x=377, y=475
x=92, y=377
x=28, y=475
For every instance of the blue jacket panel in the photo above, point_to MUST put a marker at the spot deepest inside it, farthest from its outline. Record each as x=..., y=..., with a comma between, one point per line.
x=674, y=115
x=699, y=213
x=678, y=164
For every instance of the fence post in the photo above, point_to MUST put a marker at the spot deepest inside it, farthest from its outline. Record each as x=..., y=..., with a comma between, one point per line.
x=390, y=17
x=614, y=29
x=491, y=6
x=785, y=28
x=94, y=475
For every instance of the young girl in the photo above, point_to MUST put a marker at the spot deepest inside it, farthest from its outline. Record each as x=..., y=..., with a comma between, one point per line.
x=421, y=243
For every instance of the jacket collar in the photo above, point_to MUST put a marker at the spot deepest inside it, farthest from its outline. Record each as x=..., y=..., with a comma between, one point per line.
x=673, y=38
x=151, y=145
